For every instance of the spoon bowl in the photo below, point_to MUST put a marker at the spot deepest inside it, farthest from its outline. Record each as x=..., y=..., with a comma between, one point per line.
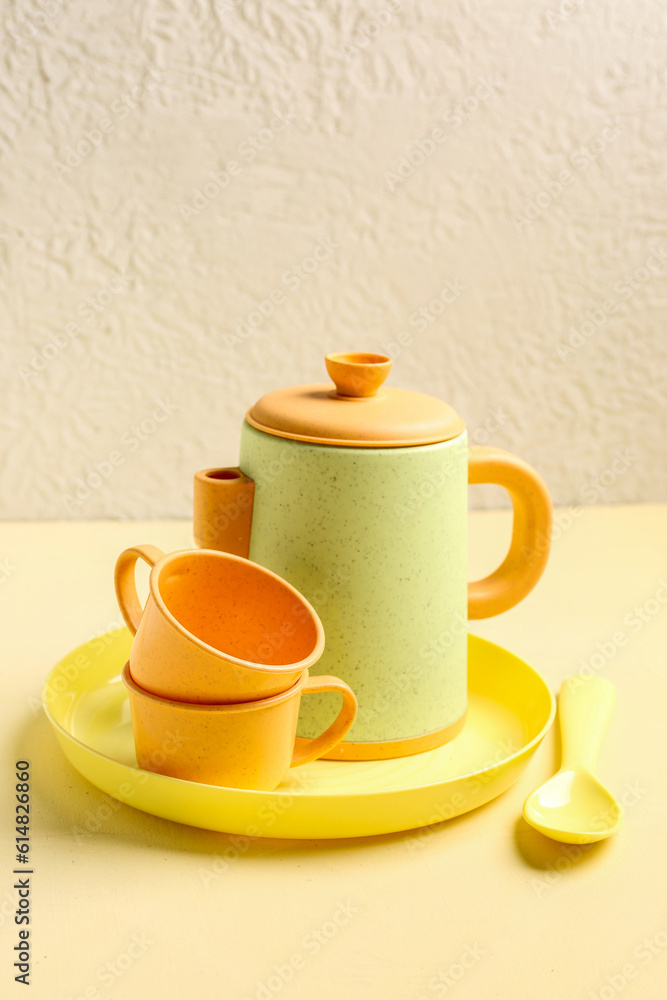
x=574, y=807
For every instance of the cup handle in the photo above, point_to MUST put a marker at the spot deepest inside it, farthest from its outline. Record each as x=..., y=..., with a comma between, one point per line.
x=125, y=584
x=306, y=750
x=531, y=532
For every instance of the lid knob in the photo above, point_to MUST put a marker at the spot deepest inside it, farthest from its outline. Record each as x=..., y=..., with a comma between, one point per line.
x=358, y=374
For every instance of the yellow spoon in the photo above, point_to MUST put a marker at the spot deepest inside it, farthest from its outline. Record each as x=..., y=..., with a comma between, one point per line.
x=573, y=806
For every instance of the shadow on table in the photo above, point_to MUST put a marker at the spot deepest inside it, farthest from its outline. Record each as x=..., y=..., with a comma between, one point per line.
x=68, y=807
x=541, y=853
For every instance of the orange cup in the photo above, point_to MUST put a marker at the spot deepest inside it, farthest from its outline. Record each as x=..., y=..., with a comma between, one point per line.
x=250, y=745
x=216, y=628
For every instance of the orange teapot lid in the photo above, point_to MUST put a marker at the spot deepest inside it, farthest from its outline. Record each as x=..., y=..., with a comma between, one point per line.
x=358, y=412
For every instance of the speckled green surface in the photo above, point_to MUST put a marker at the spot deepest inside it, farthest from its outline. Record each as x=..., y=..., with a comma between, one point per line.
x=376, y=540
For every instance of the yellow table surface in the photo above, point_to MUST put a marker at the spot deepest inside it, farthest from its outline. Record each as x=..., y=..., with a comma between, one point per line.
x=125, y=905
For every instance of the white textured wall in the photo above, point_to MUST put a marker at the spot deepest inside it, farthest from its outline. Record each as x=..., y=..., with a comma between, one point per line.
x=123, y=287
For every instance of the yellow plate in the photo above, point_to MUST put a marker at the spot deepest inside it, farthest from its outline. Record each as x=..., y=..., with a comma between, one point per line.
x=510, y=710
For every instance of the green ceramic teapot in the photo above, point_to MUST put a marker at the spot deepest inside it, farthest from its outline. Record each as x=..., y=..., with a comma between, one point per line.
x=356, y=493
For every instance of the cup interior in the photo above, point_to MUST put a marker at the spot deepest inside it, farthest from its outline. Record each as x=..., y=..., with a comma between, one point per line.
x=238, y=608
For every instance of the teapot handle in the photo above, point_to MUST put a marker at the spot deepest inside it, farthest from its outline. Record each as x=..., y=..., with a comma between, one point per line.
x=531, y=534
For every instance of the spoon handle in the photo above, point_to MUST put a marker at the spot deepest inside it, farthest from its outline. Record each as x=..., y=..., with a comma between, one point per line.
x=585, y=705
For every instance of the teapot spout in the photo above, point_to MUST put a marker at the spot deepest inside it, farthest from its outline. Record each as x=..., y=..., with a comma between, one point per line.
x=222, y=517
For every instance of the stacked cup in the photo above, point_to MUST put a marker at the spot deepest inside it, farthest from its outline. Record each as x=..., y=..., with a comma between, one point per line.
x=218, y=666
